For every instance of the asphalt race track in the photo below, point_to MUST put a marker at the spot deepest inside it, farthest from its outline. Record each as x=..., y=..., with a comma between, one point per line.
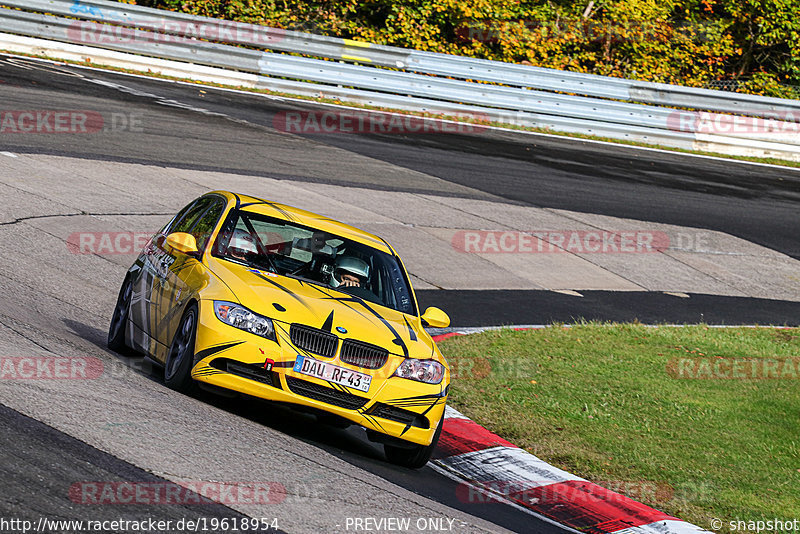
x=179, y=141
x=215, y=131
x=531, y=307
x=42, y=462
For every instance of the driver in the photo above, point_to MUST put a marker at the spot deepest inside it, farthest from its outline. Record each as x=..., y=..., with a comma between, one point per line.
x=242, y=245
x=349, y=271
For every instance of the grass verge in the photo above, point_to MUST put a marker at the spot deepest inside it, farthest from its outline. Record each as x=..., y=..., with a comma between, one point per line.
x=660, y=413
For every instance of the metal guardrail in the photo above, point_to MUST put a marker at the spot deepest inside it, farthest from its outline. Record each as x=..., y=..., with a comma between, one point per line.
x=174, y=36
x=424, y=62
x=334, y=73
x=232, y=32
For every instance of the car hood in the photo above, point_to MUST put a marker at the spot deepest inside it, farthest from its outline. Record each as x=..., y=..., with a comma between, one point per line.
x=290, y=300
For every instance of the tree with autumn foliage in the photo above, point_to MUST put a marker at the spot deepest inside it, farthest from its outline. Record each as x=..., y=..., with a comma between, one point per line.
x=755, y=43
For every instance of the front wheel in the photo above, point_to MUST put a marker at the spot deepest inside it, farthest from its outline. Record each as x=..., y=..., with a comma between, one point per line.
x=119, y=320
x=416, y=456
x=180, y=360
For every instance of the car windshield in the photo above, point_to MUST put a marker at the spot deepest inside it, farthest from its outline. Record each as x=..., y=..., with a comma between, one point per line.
x=315, y=256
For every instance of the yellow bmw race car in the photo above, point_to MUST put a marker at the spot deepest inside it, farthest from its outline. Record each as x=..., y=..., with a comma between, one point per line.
x=271, y=301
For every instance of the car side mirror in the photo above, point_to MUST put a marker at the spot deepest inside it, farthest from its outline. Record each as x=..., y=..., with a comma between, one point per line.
x=183, y=242
x=436, y=318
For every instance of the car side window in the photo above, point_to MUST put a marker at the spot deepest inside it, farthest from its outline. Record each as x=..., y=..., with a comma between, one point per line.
x=185, y=223
x=177, y=218
x=206, y=223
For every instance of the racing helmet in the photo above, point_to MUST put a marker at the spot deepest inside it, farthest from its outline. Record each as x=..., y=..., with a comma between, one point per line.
x=350, y=265
x=242, y=243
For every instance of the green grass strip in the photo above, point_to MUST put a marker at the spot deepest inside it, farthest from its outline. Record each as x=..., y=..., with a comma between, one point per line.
x=698, y=422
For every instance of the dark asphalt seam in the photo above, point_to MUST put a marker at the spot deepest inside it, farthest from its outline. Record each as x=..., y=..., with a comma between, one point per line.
x=102, y=257
x=692, y=267
x=500, y=200
x=426, y=281
x=86, y=213
x=122, y=363
x=32, y=217
x=24, y=336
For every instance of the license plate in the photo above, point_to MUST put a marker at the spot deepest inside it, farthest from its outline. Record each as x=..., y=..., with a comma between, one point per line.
x=332, y=373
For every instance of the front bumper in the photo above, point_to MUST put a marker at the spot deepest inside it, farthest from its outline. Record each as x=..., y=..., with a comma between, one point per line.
x=234, y=359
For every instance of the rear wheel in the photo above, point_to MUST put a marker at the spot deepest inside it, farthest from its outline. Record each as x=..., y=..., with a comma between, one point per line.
x=415, y=456
x=180, y=360
x=119, y=320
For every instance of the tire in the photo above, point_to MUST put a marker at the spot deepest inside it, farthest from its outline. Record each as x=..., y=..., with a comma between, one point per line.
x=180, y=360
x=119, y=320
x=416, y=456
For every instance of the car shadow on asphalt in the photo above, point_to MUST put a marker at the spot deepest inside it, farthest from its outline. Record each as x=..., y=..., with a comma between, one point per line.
x=130, y=359
x=349, y=442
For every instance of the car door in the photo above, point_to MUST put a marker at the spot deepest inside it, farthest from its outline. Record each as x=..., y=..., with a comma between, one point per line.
x=156, y=261
x=147, y=283
x=185, y=272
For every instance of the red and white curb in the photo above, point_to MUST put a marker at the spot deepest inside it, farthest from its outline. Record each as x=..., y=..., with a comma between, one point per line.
x=492, y=469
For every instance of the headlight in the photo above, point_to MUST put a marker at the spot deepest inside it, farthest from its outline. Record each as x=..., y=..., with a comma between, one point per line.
x=241, y=317
x=428, y=371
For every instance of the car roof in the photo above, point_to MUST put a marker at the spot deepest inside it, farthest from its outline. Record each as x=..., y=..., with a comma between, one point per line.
x=306, y=218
